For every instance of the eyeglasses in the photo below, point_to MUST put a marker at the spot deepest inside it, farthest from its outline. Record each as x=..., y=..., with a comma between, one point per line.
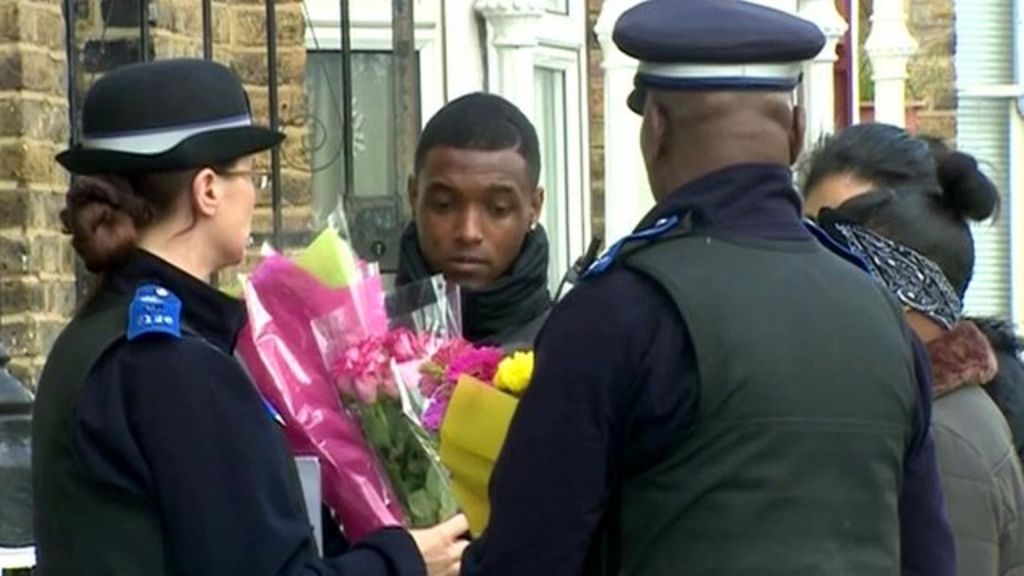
x=260, y=179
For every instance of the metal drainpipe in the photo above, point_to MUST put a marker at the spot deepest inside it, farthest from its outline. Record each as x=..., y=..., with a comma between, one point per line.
x=144, y=39
x=208, y=29
x=275, y=153
x=347, y=132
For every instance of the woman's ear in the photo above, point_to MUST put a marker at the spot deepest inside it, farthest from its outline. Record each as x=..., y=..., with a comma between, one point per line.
x=206, y=193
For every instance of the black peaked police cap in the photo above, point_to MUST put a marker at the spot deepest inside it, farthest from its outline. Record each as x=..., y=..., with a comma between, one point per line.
x=705, y=45
x=164, y=116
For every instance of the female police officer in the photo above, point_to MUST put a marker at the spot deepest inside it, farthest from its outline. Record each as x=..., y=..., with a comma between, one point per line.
x=153, y=453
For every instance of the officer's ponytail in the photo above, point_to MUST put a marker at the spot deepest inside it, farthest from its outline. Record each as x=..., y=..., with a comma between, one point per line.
x=103, y=215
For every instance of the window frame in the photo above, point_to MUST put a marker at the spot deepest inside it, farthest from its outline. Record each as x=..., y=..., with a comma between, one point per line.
x=575, y=198
x=370, y=31
x=562, y=44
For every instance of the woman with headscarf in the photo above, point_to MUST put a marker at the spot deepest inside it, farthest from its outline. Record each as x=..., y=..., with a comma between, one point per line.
x=906, y=219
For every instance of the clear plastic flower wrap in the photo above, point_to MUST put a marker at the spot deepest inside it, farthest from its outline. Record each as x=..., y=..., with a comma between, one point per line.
x=377, y=376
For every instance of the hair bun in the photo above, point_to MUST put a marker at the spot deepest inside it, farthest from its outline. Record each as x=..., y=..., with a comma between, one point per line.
x=100, y=215
x=966, y=188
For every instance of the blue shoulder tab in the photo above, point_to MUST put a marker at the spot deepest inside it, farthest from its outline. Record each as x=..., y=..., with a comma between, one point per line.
x=154, y=310
x=608, y=258
x=832, y=245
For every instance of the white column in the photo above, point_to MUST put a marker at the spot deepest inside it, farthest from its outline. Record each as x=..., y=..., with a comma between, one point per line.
x=627, y=195
x=465, y=54
x=513, y=26
x=1016, y=215
x=819, y=80
x=890, y=46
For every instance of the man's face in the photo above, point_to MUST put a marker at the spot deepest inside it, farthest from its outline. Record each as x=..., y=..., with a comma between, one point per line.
x=473, y=209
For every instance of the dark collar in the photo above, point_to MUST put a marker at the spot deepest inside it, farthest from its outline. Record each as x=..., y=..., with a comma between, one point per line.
x=748, y=200
x=216, y=316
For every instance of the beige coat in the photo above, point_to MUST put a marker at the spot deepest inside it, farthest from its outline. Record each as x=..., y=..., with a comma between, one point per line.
x=980, y=470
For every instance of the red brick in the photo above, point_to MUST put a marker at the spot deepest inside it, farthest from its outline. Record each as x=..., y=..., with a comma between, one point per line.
x=42, y=253
x=33, y=118
x=248, y=26
x=296, y=187
x=30, y=335
x=32, y=70
x=30, y=294
x=21, y=208
x=32, y=23
x=29, y=161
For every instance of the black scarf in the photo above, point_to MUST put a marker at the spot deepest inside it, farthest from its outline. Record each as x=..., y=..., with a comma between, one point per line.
x=509, y=305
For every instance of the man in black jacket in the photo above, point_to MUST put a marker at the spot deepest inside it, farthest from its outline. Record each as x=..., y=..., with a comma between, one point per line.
x=476, y=202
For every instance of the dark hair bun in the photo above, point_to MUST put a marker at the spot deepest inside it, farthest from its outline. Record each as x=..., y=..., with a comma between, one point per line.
x=101, y=215
x=966, y=188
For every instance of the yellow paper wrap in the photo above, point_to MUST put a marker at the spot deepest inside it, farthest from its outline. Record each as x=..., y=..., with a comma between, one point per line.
x=328, y=258
x=473, y=432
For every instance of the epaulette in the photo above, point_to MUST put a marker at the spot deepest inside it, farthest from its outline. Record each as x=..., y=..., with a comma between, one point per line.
x=154, y=310
x=834, y=246
x=659, y=229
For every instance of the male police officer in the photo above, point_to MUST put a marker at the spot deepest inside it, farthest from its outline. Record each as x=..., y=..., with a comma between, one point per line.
x=721, y=395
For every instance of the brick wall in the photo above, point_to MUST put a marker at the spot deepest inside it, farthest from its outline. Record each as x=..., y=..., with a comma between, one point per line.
x=36, y=262
x=242, y=44
x=37, y=265
x=932, y=76
x=931, y=86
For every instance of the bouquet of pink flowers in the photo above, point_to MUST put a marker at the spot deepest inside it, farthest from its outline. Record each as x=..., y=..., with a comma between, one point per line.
x=337, y=357
x=279, y=349
x=441, y=374
x=377, y=377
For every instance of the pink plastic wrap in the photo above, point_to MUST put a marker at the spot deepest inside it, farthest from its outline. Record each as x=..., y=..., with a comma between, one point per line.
x=280, y=351
x=377, y=377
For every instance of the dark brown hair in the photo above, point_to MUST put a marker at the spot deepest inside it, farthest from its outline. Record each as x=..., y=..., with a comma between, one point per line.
x=103, y=214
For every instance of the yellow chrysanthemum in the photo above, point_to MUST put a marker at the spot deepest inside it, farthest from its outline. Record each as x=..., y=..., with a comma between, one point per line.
x=514, y=373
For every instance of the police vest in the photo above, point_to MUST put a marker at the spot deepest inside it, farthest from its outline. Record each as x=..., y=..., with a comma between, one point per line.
x=75, y=519
x=83, y=528
x=793, y=464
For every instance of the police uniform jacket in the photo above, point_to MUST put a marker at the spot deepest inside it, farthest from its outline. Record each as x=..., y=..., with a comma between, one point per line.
x=169, y=427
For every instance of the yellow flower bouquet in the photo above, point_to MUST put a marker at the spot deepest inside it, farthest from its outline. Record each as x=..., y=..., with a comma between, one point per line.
x=475, y=399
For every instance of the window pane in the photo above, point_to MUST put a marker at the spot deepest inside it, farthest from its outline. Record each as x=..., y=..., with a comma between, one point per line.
x=372, y=122
x=377, y=202
x=549, y=106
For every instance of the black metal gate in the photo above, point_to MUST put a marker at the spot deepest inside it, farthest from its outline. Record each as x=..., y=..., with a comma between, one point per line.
x=374, y=223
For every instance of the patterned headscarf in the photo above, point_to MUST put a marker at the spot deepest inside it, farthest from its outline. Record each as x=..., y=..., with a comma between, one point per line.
x=915, y=280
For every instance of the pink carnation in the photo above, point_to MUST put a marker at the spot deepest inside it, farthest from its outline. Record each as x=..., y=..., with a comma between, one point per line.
x=435, y=369
x=480, y=363
x=364, y=369
x=450, y=350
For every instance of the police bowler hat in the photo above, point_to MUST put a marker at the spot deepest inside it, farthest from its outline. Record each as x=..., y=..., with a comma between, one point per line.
x=164, y=116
